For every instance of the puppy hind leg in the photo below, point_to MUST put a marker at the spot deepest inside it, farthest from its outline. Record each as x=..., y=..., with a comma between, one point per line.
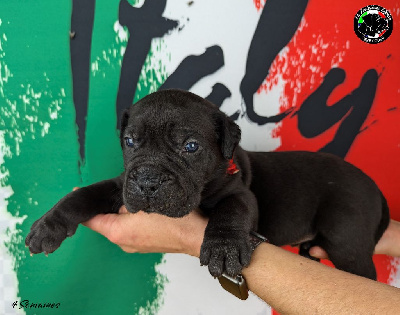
x=350, y=257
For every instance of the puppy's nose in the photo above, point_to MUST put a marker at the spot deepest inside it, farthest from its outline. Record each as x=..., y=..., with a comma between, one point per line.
x=148, y=187
x=148, y=180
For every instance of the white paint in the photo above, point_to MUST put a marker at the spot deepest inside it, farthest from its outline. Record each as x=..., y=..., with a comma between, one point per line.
x=191, y=290
x=8, y=278
x=206, y=28
x=202, y=28
x=394, y=277
x=122, y=32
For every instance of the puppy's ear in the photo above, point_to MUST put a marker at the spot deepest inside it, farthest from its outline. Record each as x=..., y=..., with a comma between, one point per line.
x=228, y=133
x=124, y=123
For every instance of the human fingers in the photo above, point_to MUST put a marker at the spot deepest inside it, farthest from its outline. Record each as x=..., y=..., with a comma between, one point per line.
x=318, y=252
x=389, y=243
x=123, y=210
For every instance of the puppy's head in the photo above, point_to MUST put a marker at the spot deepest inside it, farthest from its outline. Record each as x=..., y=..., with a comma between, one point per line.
x=174, y=143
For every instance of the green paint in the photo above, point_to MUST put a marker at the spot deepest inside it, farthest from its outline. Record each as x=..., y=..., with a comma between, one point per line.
x=360, y=20
x=153, y=73
x=88, y=274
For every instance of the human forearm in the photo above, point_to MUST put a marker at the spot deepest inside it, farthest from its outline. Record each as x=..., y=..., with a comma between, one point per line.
x=288, y=282
x=294, y=285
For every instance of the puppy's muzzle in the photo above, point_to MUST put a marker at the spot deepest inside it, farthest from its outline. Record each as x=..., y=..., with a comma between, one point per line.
x=147, y=180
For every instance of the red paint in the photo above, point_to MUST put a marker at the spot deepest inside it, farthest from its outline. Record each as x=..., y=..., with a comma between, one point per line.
x=259, y=4
x=376, y=150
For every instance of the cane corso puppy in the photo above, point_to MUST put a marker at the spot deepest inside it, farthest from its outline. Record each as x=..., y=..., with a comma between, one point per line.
x=181, y=152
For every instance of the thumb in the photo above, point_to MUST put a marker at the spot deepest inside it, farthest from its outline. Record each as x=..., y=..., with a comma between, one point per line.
x=106, y=224
x=318, y=252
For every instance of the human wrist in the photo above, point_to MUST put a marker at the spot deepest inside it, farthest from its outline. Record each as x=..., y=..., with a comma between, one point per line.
x=194, y=245
x=237, y=284
x=191, y=233
x=255, y=256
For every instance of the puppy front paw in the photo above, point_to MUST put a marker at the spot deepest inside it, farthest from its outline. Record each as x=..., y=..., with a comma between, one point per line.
x=225, y=251
x=47, y=234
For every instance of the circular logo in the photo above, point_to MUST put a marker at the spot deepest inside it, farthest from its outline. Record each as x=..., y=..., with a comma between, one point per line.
x=373, y=24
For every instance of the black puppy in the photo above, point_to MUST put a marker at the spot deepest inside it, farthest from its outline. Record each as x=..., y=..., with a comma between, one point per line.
x=181, y=153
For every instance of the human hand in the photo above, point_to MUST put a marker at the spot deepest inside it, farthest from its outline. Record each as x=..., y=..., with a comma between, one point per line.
x=141, y=232
x=151, y=232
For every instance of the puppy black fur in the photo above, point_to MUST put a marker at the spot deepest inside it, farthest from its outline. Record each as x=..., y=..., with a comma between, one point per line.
x=177, y=148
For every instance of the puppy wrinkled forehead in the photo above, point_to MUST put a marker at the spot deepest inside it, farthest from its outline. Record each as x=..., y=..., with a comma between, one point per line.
x=174, y=108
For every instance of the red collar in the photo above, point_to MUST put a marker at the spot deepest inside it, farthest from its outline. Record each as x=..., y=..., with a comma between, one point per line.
x=232, y=168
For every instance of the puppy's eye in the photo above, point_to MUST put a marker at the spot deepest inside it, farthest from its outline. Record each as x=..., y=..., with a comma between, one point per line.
x=129, y=142
x=191, y=147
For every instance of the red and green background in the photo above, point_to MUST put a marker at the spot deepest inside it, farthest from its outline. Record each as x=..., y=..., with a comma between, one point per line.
x=43, y=157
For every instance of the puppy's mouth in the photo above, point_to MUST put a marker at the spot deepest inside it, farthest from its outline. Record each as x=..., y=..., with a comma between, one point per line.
x=158, y=193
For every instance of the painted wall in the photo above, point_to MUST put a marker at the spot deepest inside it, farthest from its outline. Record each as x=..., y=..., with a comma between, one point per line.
x=292, y=74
